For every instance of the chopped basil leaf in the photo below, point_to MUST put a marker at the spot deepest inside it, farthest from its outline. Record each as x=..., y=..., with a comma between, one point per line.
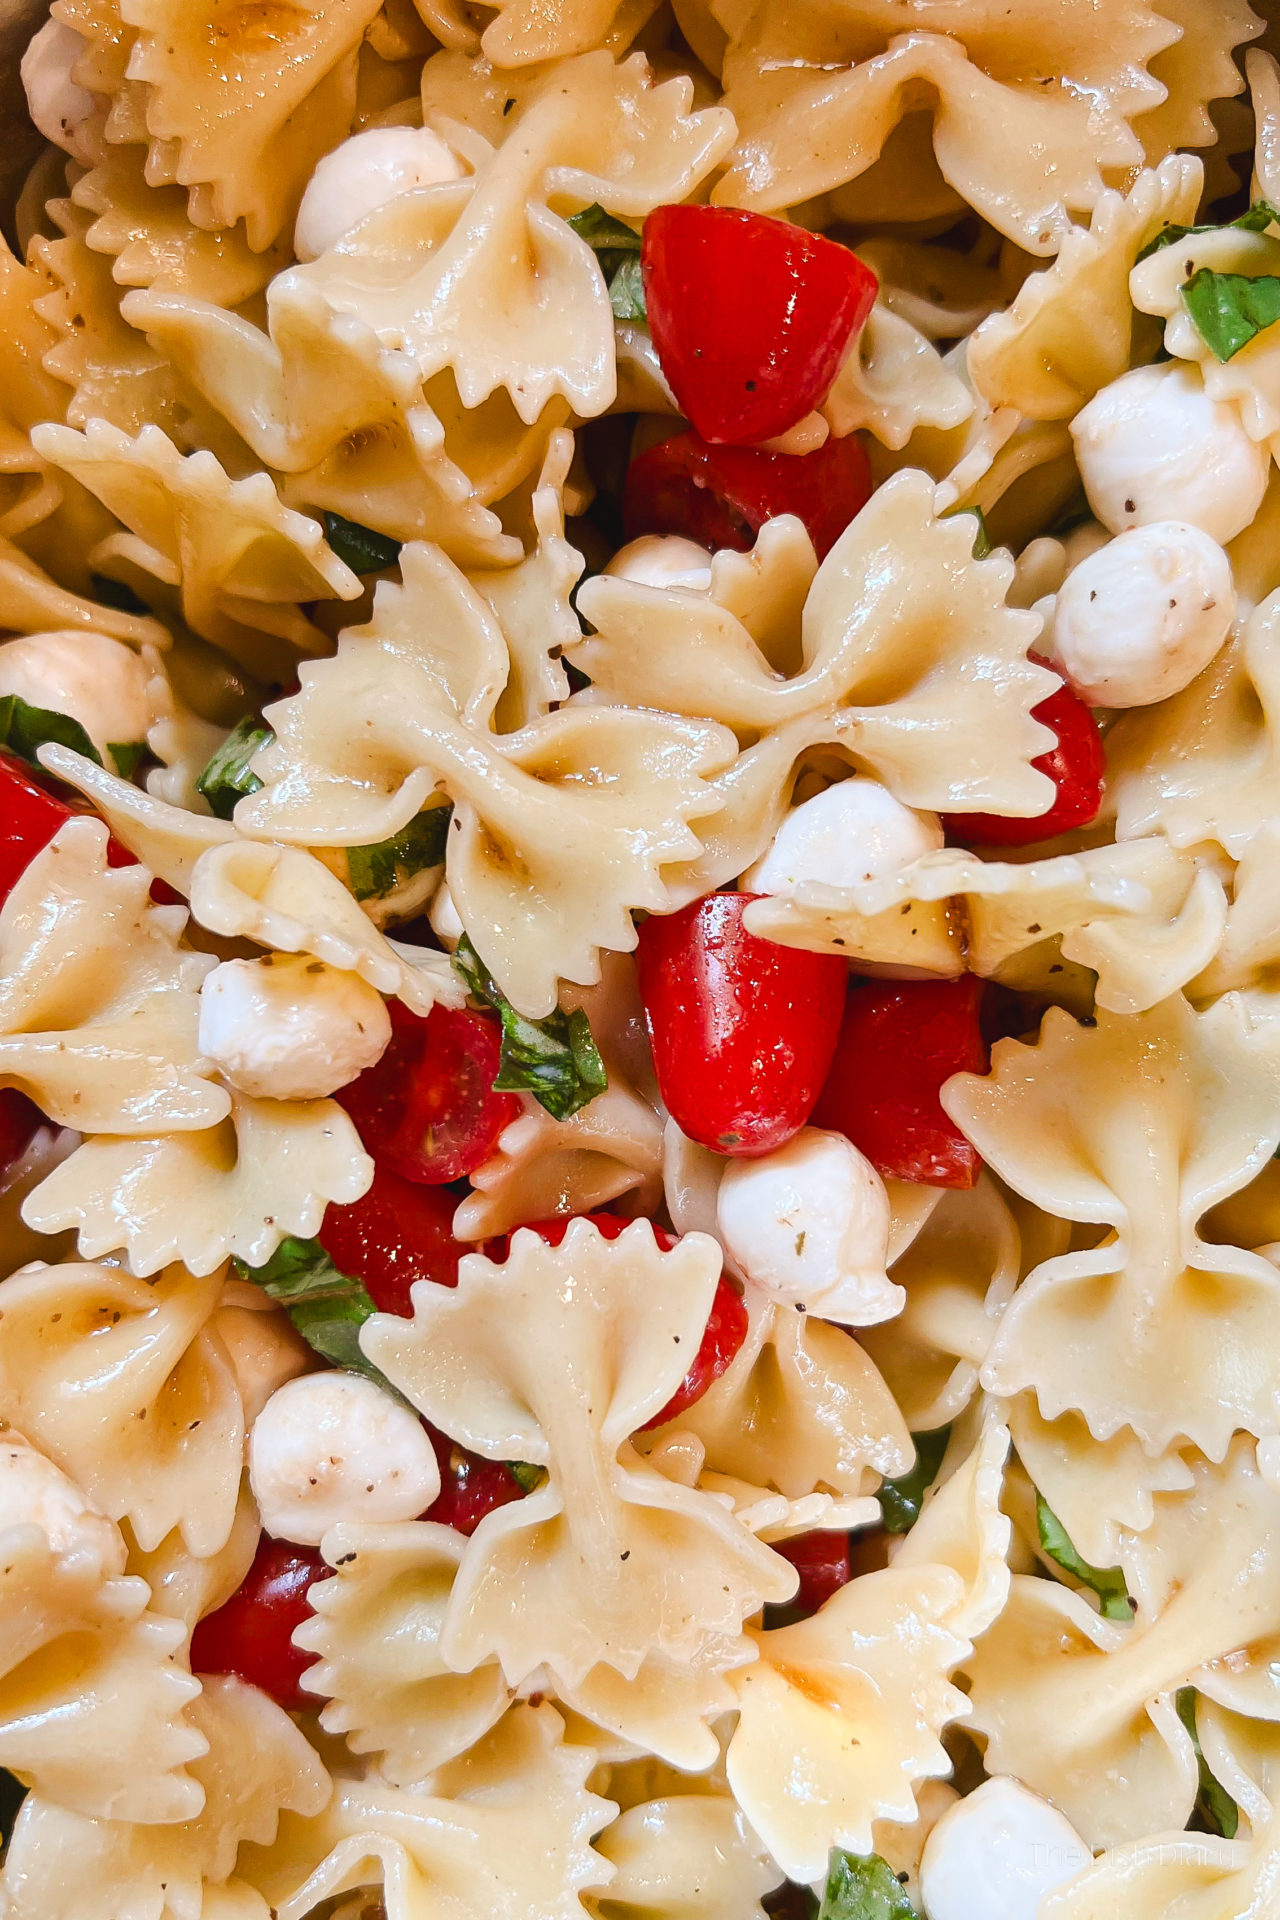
x=901, y=1500
x=982, y=547
x=626, y=291
x=1260, y=216
x=556, y=1059
x=1231, y=309
x=126, y=755
x=24, y=729
x=1107, y=1582
x=525, y=1476
x=374, y=871
x=327, y=1306
x=1215, y=1811
x=115, y=594
x=228, y=776
x=862, y=1886
x=12, y=1795
x=602, y=232
x=363, y=550
x=617, y=247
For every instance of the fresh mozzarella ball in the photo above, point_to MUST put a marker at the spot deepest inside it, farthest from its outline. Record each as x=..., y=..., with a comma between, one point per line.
x=287, y=1027
x=1154, y=446
x=57, y=106
x=34, y=1492
x=443, y=915
x=99, y=682
x=364, y=173
x=1140, y=618
x=332, y=1447
x=846, y=834
x=996, y=1853
x=663, y=560
x=264, y=1350
x=810, y=1224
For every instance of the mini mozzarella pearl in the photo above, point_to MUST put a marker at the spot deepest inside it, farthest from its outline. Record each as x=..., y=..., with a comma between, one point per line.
x=35, y=1492
x=58, y=107
x=99, y=682
x=809, y=1223
x=848, y=833
x=333, y=1447
x=663, y=560
x=996, y=1853
x=287, y=1027
x=363, y=174
x=1154, y=446
x=1140, y=618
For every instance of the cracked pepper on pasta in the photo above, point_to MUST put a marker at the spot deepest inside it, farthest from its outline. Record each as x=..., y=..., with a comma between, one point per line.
x=640, y=962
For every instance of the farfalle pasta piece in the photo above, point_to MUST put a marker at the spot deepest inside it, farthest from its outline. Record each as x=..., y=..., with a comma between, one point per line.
x=531, y=601
x=126, y=1386
x=28, y=493
x=961, y=1524
x=184, y=1586
x=1250, y=379
x=242, y=560
x=250, y=113
x=1171, y=1873
x=1069, y=330
x=232, y=1190
x=376, y=1634
x=1081, y=1709
x=1028, y=109
x=1198, y=71
x=558, y=830
x=35, y=603
x=557, y=1357
x=893, y=382
x=98, y=1003
x=507, y=1829
x=851, y=1702
x=168, y=840
x=688, y=1857
x=1248, y=954
x=1141, y=1124
x=669, y=1709
x=62, y=1866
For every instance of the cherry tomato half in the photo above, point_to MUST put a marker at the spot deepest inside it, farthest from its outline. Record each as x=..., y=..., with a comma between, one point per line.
x=751, y=316
x=427, y=1109
x=398, y=1232
x=722, y=496
x=470, y=1486
x=899, y=1041
x=251, y=1635
x=822, y=1561
x=1077, y=765
x=743, y=1030
x=30, y=816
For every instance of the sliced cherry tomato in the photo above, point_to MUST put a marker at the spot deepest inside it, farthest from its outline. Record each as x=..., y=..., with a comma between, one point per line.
x=29, y=818
x=743, y=1031
x=427, y=1109
x=20, y=1121
x=822, y=1561
x=1077, y=767
x=470, y=1486
x=722, y=496
x=751, y=317
x=251, y=1635
x=899, y=1041
x=396, y=1233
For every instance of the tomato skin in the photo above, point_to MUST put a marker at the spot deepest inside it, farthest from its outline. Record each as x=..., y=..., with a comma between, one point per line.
x=822, y=1561
x=471, y=1487
x=1077, y=765
x=746, y=368
x=899, y=1041
x=427, y=1109
x=396, y=1233
x=722, y=496
x=20, y=1121
x=743, y=1030
x=29, y=818
x=250, y=1635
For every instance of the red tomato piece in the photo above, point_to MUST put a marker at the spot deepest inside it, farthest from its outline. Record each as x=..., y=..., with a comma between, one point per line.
x=743, y=1030
x=20, y=1121
x=29, y=818
x=899, y=1041
x=822, y=1561
x=1077, y=766
x=751, y=317
x=398, y=1232
x=470, y=1486
x=427, y=1109
x=722, y=496
x=251, y=1635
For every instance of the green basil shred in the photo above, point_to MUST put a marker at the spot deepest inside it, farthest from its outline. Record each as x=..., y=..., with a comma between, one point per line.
x=1231, y=309
x=862, y=1886
x=127, y=754
x=25, y=729
x=982, y=547
x=374, y=871
x=556, y=1059
x=228, y=776
x=1107, y=1582
x=1259, y=217
x=901, y=1500
x=363, y=550
x=617, y=248
x=1215, y=1811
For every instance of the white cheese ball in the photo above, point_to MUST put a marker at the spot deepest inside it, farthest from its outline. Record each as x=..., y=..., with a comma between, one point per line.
x=810, y=1224
x=996, y=1853
x=848, y=833
x=34, y=1492
x=99, y=682
x=58, y=107
x=663, y=560
x=363, y=174
x=1154, y=446
x=333, y=1447
x=287, y=1027
x=1140, y=618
